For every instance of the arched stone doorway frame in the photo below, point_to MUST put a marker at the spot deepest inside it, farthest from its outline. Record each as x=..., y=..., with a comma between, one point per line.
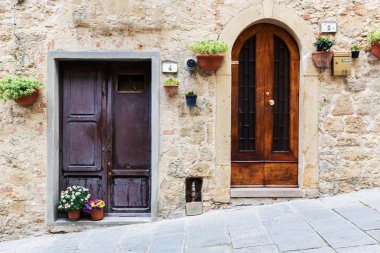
x=287, y=18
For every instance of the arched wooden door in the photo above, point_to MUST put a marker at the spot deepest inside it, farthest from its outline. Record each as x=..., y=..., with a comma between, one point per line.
x=264, y=137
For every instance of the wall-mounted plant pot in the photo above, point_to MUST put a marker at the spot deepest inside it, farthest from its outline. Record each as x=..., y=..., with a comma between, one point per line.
x=191, y=100
x=28, y=100
x=322, y=59
x=355, y=54
x=375, y=49
x=171, y=90
x=210, y=62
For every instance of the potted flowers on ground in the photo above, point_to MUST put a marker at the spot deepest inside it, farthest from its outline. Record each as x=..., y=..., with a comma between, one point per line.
x=355, y=50
x=95, y=209
x=191, y=98
x=374, y=41
x=23, y=91
x=171, y=86
x=73, y=200
x=209, y=53
x=322, y=58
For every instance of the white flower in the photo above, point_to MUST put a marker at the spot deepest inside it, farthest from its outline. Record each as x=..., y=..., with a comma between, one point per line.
x=77, y=193
x=63, y=200
x=74, y=187
x=81, y=199
x=67, y=206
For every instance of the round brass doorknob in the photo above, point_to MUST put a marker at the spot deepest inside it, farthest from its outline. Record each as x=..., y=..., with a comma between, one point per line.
x=271, y=102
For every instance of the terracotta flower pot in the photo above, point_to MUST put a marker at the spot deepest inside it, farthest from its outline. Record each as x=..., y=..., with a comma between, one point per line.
x=191, y=100
x=28, y=100
x=97, y=214
x=210, y=62
x=171, y=90
x=74, y=215
x=322, y=59
x=375, y=49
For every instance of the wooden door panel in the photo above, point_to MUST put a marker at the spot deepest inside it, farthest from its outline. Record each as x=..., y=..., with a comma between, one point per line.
x=247, y=174
x=281, y=174
x=94, y=184
x=272, y=160
x=80, y=131
x=131, y=193
x=130, y=153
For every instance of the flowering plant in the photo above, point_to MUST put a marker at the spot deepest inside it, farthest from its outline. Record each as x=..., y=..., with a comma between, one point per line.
x=93, y=204
x=74, y=198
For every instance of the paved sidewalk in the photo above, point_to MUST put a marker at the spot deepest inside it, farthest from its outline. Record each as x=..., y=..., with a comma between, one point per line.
x=348, y=223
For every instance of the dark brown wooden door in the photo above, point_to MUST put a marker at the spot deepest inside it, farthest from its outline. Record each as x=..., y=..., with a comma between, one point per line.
x=264, y=137
x=105, y=133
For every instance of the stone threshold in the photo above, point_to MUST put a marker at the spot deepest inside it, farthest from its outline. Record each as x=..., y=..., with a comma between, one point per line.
x=106, y=221
x=267, y=193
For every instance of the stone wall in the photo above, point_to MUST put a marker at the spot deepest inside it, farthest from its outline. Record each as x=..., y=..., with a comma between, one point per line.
x=349, y=119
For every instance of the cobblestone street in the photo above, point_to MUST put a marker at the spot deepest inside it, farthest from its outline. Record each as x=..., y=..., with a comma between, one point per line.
x=348, y=223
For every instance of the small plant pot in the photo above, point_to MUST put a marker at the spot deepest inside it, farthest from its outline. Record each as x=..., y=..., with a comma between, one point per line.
x=375, y=49
x=322, y=59
x=28, y=100
x=355, y=54
x=171, y=90
x=73, y=215
x=210, y=62
x=191, y=100
x=97, y=214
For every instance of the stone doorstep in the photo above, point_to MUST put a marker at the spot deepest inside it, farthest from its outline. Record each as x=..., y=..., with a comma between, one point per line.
x=267, y=193
x=106, y=221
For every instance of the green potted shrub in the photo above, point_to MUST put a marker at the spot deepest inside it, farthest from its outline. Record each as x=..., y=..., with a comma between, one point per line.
x=209, y=53
x=374, y=41
x=72, y=200
x=22, y=90
x=171, y=86
x=355, y=50
x=191, y=98
x=323, y=56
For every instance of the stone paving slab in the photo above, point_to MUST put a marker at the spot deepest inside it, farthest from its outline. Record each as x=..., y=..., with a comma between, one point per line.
x=348, y=223
x=336, y=230
x=361, y=249
x=362, y=216
x=288, y=230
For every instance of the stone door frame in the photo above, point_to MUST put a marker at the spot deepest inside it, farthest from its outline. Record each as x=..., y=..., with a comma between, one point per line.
x=54, y=58
x=286, y=18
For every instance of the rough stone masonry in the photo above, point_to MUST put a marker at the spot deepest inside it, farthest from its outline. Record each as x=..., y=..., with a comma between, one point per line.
x=349, y=118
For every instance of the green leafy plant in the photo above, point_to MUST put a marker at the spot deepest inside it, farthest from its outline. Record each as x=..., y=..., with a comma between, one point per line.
x=323, y=44
x=355, y=47
x=171, y=82
x=17, y=87
x=74, y=198
x=209, y=47
x=190, y=93
x=373, y=37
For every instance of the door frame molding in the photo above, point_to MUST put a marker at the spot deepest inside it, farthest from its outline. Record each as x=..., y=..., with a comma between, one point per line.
x=289, y=20
x=54, y=58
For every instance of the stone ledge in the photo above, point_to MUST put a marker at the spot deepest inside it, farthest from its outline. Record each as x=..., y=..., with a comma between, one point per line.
x=267, y=193
x=105, y=222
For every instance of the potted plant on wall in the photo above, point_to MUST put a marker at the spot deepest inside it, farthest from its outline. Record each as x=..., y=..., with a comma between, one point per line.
x=171, y=86
x=374, y=41
x=23, y=91
x=355, y=50
x=322, y=58
x=95, y=209
x=209, y=53
x=191, y=98
x=72, y=200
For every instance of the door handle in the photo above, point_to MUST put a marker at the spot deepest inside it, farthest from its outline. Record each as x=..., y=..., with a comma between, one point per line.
x=271, y=102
